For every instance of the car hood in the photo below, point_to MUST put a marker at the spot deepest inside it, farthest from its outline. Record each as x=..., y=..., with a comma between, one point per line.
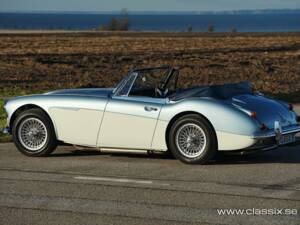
x=95, y=92
x=267, y=110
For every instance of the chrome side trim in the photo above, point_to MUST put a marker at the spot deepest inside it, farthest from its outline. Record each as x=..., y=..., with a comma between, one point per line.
x=269, y=148
x=289, y=130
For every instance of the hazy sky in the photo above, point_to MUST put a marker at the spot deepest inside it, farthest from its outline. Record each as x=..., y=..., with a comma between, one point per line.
x=144, y=5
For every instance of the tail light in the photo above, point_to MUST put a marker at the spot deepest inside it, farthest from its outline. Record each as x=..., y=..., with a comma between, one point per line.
x=291, y=107
x=253, y=115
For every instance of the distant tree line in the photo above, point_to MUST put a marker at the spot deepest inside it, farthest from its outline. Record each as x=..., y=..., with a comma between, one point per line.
x=210, y=28
x=118, y=24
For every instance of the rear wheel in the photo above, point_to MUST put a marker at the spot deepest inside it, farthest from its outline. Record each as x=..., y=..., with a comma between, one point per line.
x=33, y=133
x=192, y=140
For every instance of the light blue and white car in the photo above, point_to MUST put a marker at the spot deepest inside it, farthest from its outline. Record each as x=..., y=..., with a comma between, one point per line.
x=146, y=111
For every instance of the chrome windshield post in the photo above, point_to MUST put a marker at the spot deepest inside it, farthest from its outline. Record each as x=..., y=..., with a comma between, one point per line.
x=124, y=88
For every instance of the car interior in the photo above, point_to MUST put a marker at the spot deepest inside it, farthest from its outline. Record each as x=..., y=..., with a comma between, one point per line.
x=155, y=83
x=162, y=82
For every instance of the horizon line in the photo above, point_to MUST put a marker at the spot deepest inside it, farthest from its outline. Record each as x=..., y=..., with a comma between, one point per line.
x=154, y=11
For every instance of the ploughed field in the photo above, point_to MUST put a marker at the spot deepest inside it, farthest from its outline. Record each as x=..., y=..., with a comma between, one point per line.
x=69, y=60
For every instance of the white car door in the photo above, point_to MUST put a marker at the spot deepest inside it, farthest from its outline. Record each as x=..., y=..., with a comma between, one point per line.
x=129, y=122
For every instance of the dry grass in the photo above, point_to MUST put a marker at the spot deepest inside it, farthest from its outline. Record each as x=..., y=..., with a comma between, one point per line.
x=43, y=61
x=3, y=137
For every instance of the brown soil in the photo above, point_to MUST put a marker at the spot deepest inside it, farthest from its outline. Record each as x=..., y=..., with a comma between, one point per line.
x=52, y=61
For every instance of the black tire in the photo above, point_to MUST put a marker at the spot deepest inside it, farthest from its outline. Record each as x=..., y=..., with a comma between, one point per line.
x=50, y=142
x=208, y=150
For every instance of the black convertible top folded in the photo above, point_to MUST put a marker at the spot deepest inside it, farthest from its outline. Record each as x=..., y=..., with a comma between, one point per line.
x=225, y=91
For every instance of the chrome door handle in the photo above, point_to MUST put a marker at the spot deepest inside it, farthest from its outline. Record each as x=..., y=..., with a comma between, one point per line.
x=149, y=108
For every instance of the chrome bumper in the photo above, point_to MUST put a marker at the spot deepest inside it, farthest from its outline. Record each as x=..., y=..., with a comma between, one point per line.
x=6, y=130
x=277, y=132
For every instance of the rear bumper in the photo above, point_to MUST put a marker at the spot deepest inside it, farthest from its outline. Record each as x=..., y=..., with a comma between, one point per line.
x=266, y=140
x=261, y=140
x=270, y=146
x=277, y=132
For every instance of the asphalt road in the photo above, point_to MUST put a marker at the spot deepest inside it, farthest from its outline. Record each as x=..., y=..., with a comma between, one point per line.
x=91, y=187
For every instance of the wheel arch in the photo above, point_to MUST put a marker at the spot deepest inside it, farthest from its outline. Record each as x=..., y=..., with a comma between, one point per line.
x=26, y=107
x=179, y=115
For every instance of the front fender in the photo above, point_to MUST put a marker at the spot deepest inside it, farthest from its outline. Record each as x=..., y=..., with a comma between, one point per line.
x=76, y=119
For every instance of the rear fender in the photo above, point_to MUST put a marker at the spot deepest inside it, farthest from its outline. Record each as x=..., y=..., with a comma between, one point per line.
x=233, y=127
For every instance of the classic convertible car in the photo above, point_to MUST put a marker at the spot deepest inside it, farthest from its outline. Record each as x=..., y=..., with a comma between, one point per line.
x=147, y=111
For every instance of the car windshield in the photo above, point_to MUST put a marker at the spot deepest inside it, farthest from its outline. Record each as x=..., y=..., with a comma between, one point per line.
x=147, y=81
x=153, y=82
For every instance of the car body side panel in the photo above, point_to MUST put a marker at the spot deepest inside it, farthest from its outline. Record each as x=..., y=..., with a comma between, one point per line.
x=126, y=123
x=228, y=141
x=223, y=118
x=76, y=119
x=159, y=137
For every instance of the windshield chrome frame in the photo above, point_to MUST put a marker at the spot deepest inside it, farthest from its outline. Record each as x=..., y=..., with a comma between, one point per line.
x=121, y=85
x=135, y=73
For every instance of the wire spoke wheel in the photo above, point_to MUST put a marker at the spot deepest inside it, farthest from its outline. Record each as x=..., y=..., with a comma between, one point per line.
x=32, y=134
x=190, y=140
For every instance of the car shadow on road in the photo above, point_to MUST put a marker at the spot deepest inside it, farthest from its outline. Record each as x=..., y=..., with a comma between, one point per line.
x=274, y=156
x=281, y=155
x=75, y=153
x=71, y=152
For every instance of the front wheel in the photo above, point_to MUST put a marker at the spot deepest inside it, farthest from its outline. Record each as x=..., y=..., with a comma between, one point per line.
x=33, y=133
x=192, y=140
